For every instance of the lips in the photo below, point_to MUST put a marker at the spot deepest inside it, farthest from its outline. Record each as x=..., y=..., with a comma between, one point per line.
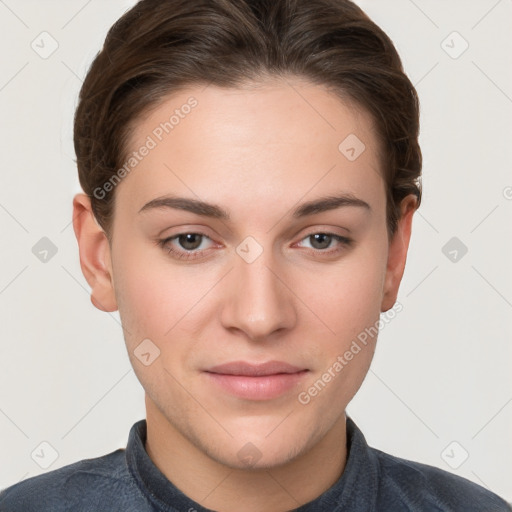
x=255, y=370
x=251, y=381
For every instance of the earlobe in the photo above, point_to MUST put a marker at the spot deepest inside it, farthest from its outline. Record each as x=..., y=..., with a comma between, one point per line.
x=397, y=253
x=95, y=259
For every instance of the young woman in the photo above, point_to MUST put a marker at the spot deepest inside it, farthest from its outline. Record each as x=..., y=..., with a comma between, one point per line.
x=250, y=172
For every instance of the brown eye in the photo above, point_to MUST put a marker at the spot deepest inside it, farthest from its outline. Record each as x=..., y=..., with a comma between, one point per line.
x=187, y=246
x=320, y=240
x=190, y=241
x=326, y=244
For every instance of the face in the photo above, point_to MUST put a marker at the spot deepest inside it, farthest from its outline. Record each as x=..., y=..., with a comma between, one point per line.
x=249, y=251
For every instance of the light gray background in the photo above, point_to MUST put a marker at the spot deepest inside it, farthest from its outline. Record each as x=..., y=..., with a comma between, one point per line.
x=440, y=386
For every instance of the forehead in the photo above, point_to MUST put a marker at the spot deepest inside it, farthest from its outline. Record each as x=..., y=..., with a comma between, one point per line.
x=264, y=139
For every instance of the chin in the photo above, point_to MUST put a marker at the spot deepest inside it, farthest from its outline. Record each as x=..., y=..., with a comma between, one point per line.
x=270, y=446
x=254, y=457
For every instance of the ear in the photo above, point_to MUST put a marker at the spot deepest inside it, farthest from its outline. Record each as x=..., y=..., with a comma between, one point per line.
x=397, y=253
x=95, y=259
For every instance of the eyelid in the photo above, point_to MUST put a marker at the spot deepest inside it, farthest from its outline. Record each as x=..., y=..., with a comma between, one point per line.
x=170, y=238
x=343, y=241
x=328, y=233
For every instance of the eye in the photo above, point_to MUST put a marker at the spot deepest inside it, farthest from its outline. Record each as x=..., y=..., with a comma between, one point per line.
x=185, y=245
x=322, y=242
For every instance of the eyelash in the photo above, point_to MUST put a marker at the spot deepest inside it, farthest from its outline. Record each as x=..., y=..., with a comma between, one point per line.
x=189, y=255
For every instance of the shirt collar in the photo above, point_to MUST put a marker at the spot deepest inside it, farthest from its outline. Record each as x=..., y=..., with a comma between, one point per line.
x=355, y=490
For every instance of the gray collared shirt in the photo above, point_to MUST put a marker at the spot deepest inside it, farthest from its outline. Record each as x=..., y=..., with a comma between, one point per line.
x=126, y=480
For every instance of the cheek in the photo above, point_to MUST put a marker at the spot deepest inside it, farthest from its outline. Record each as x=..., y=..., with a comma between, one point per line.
x=349, y=304
x=348, y=296
x=151, y=299
x=154, y=295
x=144, y=296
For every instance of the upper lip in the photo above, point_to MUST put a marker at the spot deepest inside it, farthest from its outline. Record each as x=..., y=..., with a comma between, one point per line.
x=254, y=369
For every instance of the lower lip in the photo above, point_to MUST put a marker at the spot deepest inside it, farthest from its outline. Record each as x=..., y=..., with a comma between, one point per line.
x=257, y=388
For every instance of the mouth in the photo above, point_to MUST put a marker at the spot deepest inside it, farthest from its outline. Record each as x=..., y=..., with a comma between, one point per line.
x=251, y=381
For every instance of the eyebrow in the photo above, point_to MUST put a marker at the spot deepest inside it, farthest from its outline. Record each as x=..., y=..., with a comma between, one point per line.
x=205, y=209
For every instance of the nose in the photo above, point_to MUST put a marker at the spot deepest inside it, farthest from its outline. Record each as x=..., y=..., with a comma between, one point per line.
x=258, y=300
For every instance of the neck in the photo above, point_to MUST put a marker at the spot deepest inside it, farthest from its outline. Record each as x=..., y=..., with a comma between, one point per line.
x=220, y=487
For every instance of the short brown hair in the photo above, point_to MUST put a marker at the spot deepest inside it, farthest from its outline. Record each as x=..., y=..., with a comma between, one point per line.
x=161, y=46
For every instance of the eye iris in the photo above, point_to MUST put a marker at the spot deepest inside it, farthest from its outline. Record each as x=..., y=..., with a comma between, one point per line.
x=190, y=241
x=322, y=238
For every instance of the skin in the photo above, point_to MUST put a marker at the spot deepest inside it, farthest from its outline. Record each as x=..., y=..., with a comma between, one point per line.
x=257, y=151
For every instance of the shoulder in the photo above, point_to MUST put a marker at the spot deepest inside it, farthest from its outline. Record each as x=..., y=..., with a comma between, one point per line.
x=418, y=486
x=102, y=483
